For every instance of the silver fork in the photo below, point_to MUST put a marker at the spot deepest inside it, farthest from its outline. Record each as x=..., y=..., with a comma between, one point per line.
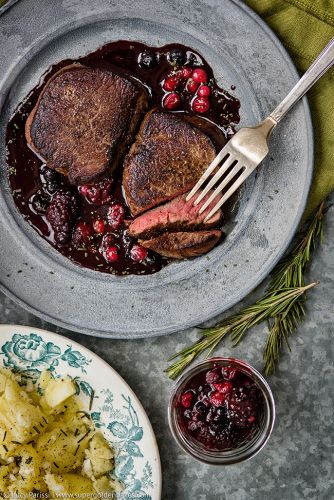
x=249, y=146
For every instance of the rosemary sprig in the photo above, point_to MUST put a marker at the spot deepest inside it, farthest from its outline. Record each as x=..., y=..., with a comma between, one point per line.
x=290, y=273
x=282, y=306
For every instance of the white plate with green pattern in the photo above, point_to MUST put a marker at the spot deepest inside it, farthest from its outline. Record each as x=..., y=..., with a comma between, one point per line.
x=116, y=410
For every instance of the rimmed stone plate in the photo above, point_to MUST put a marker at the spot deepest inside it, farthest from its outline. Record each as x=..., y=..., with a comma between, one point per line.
x=244, y=53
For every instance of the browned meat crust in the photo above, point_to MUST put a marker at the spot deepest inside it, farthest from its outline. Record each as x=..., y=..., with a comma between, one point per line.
x=183, y=244
x=166, y=160
x=84, y=120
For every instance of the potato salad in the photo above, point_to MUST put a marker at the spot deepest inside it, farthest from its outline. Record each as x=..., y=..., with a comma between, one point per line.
x=49, y=447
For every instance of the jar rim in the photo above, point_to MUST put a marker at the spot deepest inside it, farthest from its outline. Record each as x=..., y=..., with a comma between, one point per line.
x=235, y=455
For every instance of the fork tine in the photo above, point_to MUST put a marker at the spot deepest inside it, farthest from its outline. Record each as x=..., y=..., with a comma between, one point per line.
x=221, y=155
x=221, y=186
x=225, y=166
x=229, y=193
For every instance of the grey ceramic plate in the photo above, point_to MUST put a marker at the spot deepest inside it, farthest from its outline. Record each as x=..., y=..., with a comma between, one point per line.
x=244, y=53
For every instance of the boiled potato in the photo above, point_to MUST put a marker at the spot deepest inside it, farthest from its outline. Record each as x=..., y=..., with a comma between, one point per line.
x=46, y=438
x=66, y=484
x=18, y=415
x=62, y=449
x=58, y=390
x=100, y=455
x=107, y=485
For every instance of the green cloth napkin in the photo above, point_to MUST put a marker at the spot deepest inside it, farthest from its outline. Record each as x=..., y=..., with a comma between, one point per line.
x=305, y=27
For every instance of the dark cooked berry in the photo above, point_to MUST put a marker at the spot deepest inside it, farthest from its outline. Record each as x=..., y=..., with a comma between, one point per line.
x=191, y=86
x=99, y=226
x=186, y=399
x=204, y=91
x=199, y=75
x=98, y=193
x=147, y=59
x=186, y=72
x=229, y=373
x=187, y=414
x=51, y=179
x=200, y=408
x=138, y=253
x=127, y=241
x=108, y=249
x=172, y=101
x=115, y=215
x=192, y=59
x=213, y=375
x=152, y=259
x=176, y=57
x=171, y=83
x=52, y=186
x=217, y=398
x=82, y=234
x=223, y=387
x=201, y=104
x=40, y=202
x=111, y=254
x=61, y=215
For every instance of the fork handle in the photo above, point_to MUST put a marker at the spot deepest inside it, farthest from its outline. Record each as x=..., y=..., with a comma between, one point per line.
x=319, y=66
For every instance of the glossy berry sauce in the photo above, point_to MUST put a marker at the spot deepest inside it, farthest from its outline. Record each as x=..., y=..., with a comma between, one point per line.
x=88, y=223
x=221, y=408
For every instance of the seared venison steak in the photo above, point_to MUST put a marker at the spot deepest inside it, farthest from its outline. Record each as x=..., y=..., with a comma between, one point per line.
x=83, y=121
x=183, y=244
x=167, y=159
x=175, y=215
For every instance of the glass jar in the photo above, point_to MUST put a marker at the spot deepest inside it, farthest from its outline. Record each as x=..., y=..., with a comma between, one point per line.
x=247, y=449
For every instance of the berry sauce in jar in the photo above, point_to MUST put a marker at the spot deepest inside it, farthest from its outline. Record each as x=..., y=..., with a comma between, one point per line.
x=221, y=408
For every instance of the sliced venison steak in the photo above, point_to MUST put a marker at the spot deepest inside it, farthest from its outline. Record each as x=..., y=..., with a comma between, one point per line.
x=83, y=121
x=167, y=159
x=175, y=215
x=183, y=244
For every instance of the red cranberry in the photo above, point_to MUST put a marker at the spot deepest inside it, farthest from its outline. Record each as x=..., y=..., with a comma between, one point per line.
x=201, y=104
x=111, y=254
x=116, y=215
x=99, y=226
x=251, y=419
x=204, y=91
x=172, y=101
x=199, y=75
x=229, y=373
x=97, y=194
x=171, y=83
x=138, y=253
x=186, y=72
x=191, y=86
x=186, y=399
x=223, y=387
x=83, y=234
x=217, y=398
